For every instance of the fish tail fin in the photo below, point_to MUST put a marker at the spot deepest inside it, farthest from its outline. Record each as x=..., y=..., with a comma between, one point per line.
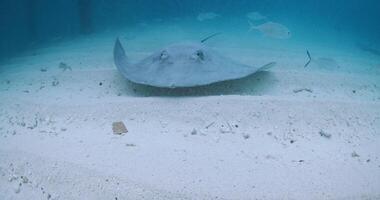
x=120, y=58
x=309, y=59
x=267, y=66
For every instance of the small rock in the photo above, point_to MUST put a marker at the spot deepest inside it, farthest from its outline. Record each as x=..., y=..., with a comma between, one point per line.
x=324, y=134
x=43, y=70
x=119, y=128
x=24, y=179
x=194, y=132
x=130, y=145
x=100, y=83
x=246, y=136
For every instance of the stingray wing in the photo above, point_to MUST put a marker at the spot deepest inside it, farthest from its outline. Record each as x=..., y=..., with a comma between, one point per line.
x=182, y=74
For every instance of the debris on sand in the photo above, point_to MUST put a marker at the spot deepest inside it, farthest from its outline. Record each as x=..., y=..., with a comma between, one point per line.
x=34, y=125
x=24, y=179
x=43, y=69
x=119, y=128
x=227, y=129
x=324, y=134
x=55, y=83
x=64, y=66
x=355, y=155
x=211, y=124
x=303, y=90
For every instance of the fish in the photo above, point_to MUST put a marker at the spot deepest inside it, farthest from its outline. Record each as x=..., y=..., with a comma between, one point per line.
x=309, y=59
x=256, y=16
x=272, y=30
x=182, y=65
x=207, y=16
x=322, y=62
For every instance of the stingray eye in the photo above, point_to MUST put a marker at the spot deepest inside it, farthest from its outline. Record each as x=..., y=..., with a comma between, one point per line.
x=200, y=55
x=164, y=55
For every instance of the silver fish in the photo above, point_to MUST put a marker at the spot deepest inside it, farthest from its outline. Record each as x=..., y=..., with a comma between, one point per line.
x=207, y=16
x=272, y=29
x=256, y=16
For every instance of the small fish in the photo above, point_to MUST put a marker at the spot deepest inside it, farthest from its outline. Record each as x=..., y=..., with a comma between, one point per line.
x=309, y=57
x=272, y=29
x=207, y=16
x=256, y=16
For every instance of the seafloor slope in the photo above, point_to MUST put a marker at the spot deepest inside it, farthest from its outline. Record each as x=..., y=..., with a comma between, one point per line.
x=291, y=133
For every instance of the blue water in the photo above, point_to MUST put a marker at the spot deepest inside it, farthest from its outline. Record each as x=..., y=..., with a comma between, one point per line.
x=26, y=24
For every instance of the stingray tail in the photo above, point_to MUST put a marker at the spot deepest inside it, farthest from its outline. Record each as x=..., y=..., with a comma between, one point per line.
x=120, y=58
x=209, y=37
x=267, y=66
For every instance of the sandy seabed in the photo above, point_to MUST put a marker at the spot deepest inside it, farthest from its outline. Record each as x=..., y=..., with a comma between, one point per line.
x=289, y=133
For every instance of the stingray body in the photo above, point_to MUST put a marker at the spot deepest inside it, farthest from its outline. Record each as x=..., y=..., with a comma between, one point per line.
x=187, y=64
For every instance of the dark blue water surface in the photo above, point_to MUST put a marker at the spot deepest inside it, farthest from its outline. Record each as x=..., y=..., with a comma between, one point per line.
x=25, y=24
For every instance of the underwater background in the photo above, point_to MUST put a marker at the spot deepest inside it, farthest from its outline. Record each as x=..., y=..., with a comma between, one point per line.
x=26, y=24
x=303, y=124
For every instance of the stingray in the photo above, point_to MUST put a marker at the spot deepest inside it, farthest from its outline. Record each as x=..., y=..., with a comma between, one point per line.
x=180, y=65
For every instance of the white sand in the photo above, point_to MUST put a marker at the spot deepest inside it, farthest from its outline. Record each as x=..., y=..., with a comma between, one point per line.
x=245, y=139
